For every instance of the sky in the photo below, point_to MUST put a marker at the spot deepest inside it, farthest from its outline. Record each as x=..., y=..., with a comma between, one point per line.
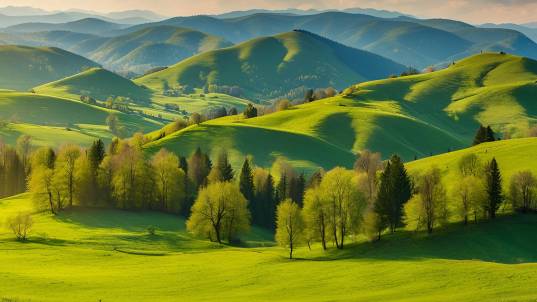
x=472, y=11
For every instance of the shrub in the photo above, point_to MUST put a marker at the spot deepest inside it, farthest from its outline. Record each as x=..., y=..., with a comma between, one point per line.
x=20, y=225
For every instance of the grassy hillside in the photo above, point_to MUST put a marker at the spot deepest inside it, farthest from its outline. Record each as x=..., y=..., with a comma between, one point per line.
x=409, y=41
x=512, y=155
x=109, y=255
x=24, y=67
x=152, y=47
x=415, y=116
x=270, y=67
x=98, y=83
x=26, y=111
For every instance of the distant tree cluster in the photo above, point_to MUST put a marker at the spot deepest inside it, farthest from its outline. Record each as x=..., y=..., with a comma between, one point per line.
x=484, y=135
x=14, y=166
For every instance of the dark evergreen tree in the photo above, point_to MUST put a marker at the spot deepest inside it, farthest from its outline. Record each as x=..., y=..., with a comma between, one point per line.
x=494, y=188
x=297, y=185
x=483, y=135
x=250, y=111
x=246, y=181
x=282, y=189
x=223, y=165
x=394, y=191
x=96, y=154
x=199, y=166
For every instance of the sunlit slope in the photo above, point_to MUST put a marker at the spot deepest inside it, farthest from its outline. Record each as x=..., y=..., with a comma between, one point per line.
x=513, y=156
x=492, y=89
x=415, y=116
x=35, y=109
x=109, y=255
x=98, y=83
x=23, y=67
x=270, y=67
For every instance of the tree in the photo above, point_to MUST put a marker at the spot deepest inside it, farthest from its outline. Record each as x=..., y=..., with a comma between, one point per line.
x=483, y=135
x=24, y=148
x=522, y=190
x=470, y=192
x=129, y=172
x=85, y=180
x=64, y=172
x=112, y=121
x=246, y=183
x=250, y=111
x=394, y=191
x=170, y=180
x=263, y=205
x=493, y=188
x=220, y=212
x=297, y=185
x=368, y=164
x=344, y=203
x=469, y=165
x=428, y=208
x=289, y=225
x=20, y=225
x=199, y=167
x=222, y=171
x=96, y=153
x=373, y=225
x=40, y=185
x=315, y=214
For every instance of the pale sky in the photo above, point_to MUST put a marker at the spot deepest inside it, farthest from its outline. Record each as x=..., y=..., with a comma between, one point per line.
x=473, y=11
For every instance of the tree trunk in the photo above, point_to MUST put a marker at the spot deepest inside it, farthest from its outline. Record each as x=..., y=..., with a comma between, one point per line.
x=51, y=203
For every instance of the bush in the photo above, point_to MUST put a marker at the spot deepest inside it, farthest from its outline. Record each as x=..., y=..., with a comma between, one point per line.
x=20, y=225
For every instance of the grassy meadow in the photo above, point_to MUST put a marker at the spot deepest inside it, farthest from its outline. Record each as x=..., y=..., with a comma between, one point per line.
x=108, y=255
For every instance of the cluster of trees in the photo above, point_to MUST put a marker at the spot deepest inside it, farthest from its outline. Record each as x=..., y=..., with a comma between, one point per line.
x=235, y=91
x=484, y=135
x=14, y=166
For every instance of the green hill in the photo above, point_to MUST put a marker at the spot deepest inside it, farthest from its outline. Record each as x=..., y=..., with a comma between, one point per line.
x=414, y=42
x=513, y=155
x=152, y=47
x=98, y=83
x=109, y=255
x=270, y=67
x=24, y=67
x=414, y=116
x=43, y=116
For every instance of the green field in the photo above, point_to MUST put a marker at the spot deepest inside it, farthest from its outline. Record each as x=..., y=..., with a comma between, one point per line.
x=108, y=255
x=414, y=116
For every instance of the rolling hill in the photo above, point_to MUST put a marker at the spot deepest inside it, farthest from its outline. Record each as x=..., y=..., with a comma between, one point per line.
x=23, y=67
x=85, y=26
x=95, y=82
x=270, y=67
x=414, y=116
x=153, y=47
x=406, y=40
x=55, y=120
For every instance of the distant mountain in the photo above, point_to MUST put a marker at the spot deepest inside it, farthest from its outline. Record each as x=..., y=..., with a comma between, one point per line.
x=86, y=26
x=294, y=11
x=271, y=67
x=22, y=11
x=141, y=14
x=527, y=30
x=152, y=47
x=406, y=40
x=24, y=67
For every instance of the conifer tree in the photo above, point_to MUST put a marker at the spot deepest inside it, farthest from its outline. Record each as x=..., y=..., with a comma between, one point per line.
x=246, y=182
x=494, y=188
x=394, y=191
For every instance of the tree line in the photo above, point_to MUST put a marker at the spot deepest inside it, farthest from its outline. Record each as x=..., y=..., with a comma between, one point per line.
x=373, y=198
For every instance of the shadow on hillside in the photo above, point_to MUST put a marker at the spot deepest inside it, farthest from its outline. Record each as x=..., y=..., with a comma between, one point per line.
x=507, y=240
x=125, y=220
